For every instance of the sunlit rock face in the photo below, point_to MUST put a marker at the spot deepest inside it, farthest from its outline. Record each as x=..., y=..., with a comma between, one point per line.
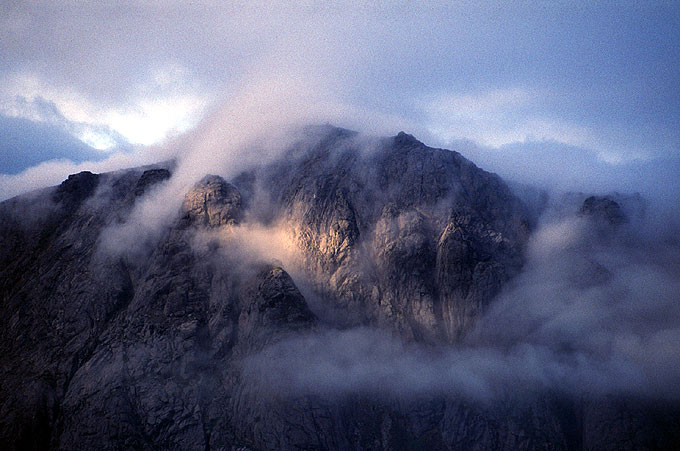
x=212, y=203
x=144, y=346
x=417, y=239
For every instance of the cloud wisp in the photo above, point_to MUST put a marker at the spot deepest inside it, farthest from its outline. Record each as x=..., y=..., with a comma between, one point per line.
x=149, y=71
x=583, y=318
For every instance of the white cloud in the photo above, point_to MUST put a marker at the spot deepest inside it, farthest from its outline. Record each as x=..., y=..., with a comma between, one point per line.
x=99, y=141
x=497, y=118
x=152, y=120
x=164, y=105
x=149, y=70
x=501, y=116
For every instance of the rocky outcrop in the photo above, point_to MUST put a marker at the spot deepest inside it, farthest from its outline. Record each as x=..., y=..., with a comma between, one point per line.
x=472, y=264
x=150, y=177
x=274, y=305
x=212, y=203
x=76, y=188
x=604, y=210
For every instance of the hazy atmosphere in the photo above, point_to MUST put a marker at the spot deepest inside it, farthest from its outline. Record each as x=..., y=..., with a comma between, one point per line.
x=257, y=242
x=572, y=93
x=564, y=97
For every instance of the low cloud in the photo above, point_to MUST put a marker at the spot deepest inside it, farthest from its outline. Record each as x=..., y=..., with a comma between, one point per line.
x=264, y=118
x=587, y=316
x=53, y=172
x=499, y=117
x=557, y=168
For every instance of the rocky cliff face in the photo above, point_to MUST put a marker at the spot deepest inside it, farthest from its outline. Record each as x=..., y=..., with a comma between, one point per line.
x=145, y=350
x=414, y=238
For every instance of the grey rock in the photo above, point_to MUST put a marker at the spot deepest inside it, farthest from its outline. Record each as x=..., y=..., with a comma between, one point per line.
x=212, y=202
x=149, y=178
x=372, y=225
x=76, y=188
x=146, y=352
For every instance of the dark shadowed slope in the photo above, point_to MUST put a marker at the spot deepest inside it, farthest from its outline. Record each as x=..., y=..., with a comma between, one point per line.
x=145, y=347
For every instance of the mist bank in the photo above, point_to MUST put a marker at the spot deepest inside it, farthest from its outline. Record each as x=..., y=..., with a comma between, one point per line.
x=558, y=168
x=341, y=280
x=594, y=310
x=593, y=313
x=590, y=303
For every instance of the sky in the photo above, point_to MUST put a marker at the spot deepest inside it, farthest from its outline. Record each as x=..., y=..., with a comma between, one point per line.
x=575, y=91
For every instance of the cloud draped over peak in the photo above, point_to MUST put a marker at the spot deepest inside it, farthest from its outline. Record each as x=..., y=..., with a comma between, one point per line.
x=494, y=74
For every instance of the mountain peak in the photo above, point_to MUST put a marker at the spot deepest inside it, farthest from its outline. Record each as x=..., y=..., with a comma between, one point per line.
x=603, y=208
x=148, y=349
x=76, y=187
x=212, y=202
x=404, y=138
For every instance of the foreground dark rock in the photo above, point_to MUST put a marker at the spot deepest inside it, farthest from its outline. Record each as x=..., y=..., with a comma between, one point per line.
x=144, y=349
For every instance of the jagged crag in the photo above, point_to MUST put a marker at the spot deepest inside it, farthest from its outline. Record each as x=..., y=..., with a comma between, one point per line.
x=143, y=349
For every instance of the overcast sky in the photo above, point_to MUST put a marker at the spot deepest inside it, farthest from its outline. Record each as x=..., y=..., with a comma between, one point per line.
x=597, y=82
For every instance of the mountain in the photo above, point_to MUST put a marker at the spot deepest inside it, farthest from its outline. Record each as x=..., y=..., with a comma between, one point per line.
x=117, y=337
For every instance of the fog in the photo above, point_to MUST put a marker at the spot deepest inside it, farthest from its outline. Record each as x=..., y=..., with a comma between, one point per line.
x=255, y=127
x=557, y=168
x=590, y=314
x=146, y=72
x=593, y=312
